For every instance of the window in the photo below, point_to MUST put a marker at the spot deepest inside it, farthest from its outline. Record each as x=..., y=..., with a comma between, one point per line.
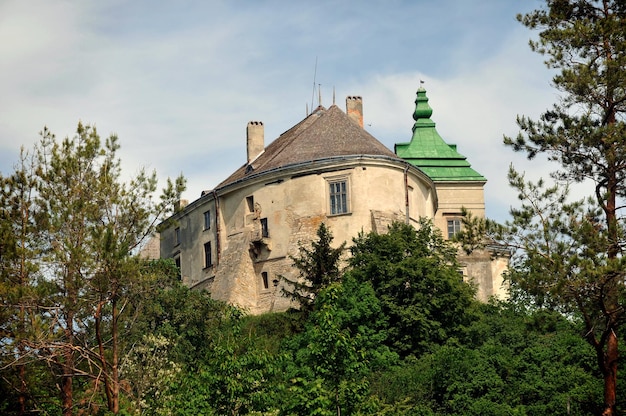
x=265, y=232
x=177, y=235
x=208, y=261
x=177, y=261
x=207, y=220
x=339, y=197
x=454, y=226
x=266, y=283
x=250, y=202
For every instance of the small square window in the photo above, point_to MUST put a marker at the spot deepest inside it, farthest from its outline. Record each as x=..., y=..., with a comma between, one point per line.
x=208, y=260
x=338, y=191
x=207, y=220
x=454, y=226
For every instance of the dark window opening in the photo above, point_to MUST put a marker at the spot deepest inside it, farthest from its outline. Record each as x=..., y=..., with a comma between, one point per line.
x=208, y=261
x=177, y=261
x=266, y=283
x=207, y=220
x=265, y=232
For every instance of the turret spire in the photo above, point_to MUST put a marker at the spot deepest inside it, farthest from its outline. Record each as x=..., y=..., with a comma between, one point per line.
x=423, y=111
x=428, y=151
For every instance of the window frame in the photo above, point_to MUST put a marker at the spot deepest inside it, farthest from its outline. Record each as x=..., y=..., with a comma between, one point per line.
x=457, y=226
x=208, y=255
x=338, y=198
x=177, y=236
x=265, y=231
x=207, y=219
x=177, y=263
x=250, y=204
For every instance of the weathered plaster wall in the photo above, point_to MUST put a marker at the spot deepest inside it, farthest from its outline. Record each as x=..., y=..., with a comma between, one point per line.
x=294, y=204
x=456, y=195
x=485, y=269
x=294, y=207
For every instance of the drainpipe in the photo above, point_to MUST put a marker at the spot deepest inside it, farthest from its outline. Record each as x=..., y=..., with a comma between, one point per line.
x=217, y=227
x=406, y=193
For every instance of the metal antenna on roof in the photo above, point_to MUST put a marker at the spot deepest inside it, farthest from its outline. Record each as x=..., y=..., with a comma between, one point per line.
x=319, y=92
x=313, y=92
x=333, y=95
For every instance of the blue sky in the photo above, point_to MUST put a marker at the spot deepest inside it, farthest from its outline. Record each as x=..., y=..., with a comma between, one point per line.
x=178, y=81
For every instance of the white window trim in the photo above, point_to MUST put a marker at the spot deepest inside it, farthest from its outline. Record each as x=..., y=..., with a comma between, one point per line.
x=335, y=179
x=453, y=217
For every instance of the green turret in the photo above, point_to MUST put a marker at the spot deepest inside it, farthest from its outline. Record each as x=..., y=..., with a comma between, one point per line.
x=429, y=152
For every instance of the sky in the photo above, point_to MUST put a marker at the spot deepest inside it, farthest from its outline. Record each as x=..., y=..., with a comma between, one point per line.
x=178, y=81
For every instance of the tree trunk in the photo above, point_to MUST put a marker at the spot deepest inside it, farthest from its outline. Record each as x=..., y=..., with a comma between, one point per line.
x=115, y=396
x=67, y=392
x=23, y=388
x=103, y=361
x=610, y=375
x=67, y=359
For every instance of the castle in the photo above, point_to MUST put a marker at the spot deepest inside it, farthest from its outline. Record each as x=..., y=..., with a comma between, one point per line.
x=236, y=239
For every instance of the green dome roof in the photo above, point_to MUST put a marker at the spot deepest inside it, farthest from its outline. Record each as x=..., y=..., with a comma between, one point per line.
x=429, y=152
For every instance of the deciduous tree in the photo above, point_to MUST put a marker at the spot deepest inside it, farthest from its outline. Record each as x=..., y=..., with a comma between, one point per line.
x=415, y=275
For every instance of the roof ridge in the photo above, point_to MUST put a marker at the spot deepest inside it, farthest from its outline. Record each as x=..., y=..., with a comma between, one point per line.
x=323, y=134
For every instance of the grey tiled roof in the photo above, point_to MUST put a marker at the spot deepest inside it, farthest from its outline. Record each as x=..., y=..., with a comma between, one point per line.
x=325, y=133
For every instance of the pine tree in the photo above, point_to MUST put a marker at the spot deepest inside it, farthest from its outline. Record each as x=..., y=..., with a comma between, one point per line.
x=71, y=230
x=318, y=267
x=573, y=251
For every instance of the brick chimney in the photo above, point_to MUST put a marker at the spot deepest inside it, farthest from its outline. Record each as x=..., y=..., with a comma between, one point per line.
x=354, y=109
x=256, y=141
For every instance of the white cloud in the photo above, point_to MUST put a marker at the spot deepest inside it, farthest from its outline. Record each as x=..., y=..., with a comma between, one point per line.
x=178, y=83
x=474, y=108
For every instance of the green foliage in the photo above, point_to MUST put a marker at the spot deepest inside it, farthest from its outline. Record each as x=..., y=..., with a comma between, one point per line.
x=329, y=361
x=20, y=246
x=562, y=262
x=173, y=331
x=230, y=379
x=573, y=259
x=69, y=272
x=414, y=274
x=269, y=330
x=190, y=319
x=318, y=267
x=149, y=369
x=509, y=363
x=398, y=334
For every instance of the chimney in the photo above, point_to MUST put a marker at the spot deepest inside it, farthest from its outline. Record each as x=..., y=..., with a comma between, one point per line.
x=180, y=204
x=354, y=109
x=256, y=143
